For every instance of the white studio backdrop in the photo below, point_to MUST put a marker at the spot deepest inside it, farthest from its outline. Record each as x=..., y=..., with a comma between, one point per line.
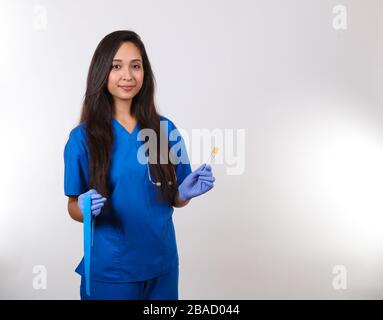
x=303, y=78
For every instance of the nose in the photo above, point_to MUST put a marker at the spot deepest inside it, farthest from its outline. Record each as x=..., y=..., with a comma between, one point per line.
x=126, y=75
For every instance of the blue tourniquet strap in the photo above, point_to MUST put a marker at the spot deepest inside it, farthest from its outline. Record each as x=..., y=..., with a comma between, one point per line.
x=87, y=221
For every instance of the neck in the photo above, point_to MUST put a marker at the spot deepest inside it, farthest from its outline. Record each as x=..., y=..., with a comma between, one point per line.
x=122, y=110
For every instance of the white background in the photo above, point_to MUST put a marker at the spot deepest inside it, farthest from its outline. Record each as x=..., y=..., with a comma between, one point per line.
x=309, y=97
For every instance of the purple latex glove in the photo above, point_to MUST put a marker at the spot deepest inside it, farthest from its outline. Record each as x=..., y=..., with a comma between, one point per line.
x=196, y=183
x=97, y=202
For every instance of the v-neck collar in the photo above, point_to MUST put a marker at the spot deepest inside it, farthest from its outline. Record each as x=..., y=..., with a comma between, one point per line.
x=123, y=129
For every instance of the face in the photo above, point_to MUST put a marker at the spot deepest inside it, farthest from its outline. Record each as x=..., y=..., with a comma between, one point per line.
x=127, y=74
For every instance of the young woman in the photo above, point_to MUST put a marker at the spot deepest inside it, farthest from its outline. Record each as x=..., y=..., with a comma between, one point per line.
x=134, y=253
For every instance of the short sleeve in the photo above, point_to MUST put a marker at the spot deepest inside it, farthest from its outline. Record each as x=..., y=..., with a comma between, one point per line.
x=182, y=171
x=76, y=166
x=178, y=150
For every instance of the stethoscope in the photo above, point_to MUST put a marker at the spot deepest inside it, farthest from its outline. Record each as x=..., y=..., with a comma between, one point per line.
x=158, y=183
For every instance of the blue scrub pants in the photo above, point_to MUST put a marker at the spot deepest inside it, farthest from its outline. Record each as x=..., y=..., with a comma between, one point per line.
x=163, y=287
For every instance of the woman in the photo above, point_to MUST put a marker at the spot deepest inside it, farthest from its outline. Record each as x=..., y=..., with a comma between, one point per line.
x=134, y=253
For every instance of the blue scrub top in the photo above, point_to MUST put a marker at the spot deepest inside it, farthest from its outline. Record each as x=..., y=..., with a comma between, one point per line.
x=134, y=236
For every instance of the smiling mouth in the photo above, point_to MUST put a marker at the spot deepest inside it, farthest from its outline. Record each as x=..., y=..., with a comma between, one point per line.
x=127, y=88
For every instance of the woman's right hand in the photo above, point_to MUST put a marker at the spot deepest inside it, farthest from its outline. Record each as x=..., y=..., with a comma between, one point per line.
x=97, y=202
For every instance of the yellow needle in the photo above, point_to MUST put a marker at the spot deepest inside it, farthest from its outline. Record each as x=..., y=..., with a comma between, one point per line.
x=214, y=151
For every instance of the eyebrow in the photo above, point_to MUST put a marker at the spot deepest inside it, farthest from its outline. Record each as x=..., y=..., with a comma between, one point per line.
x=119, y=60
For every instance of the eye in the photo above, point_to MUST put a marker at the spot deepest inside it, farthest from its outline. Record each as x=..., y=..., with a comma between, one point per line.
x=115, y=66
x=137, y=65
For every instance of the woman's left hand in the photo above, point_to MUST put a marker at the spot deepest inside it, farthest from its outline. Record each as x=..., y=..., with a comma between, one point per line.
x=196, y=183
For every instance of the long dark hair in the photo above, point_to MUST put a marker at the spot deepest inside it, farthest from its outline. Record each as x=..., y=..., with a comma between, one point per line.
x=97, y=113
